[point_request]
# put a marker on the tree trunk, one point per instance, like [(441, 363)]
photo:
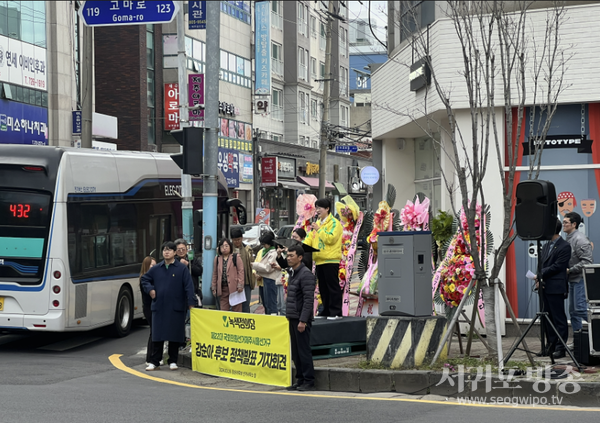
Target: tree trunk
[(490, 319)]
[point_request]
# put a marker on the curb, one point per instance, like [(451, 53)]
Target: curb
[(474, 386)]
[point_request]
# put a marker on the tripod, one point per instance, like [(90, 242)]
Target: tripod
[(544, 319)]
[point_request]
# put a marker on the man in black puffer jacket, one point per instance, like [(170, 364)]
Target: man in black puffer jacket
[(299, 312)]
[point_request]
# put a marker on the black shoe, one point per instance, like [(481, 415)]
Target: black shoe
[(306, 387), (558, 354), (294, 387)]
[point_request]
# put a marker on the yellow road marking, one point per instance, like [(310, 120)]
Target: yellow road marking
[(116, 361)]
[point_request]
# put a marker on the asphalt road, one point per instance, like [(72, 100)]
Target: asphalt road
[(71, 378)]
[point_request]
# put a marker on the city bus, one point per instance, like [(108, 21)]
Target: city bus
[(75, 225)]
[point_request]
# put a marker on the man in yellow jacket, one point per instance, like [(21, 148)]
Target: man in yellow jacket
[(326, 236)]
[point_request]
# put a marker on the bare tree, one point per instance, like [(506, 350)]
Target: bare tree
[(506, 68)]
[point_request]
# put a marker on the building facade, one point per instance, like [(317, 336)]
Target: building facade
[(407, 156)]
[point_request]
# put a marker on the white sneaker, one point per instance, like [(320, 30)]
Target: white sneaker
[(173, 366), (162, 363), (151, 367)]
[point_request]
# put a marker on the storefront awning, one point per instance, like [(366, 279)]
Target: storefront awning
[(340, 188), (314, 182), (292, 185)]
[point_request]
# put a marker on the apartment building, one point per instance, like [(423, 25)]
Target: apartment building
[(290, 128)]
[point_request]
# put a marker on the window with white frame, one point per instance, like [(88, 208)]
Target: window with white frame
[(313, 27), (302, 12), (302, 64), (307, 142), (277, 109), (301, 139), (276, 15), (277, 137), (344, 116), (323, 36), (313, 68), (343, 39), (277, 56), (303, 103), (315, 144), (313, 109), (343, 81)]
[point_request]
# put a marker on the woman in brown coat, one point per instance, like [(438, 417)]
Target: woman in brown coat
[(228, 276)]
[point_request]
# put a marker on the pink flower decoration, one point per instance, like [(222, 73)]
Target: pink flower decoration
[(415, 217)]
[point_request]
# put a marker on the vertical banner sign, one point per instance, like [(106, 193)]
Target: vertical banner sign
[(263, 216), (77, 123), (197, 14), (171, 107), (262, 62), (249, 347), (269, 171), (248, 170), (196, 95), (229, 164)]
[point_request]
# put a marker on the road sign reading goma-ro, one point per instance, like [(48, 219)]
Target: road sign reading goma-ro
[(112, 13)]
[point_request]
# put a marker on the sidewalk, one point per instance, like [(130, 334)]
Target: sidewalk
[(346, 374)]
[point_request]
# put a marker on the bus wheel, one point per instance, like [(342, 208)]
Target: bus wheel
[(123, 314)]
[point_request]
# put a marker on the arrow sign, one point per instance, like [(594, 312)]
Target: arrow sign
[(346, 149), (113, 13)]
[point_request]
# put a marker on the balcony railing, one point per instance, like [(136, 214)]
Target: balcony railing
[(277, 112), (303, 72), (276, 20), (277, 67)]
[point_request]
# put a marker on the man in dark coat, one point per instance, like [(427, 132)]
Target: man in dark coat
[(299, 312), (170, 286), (181, 255), (555, 260)]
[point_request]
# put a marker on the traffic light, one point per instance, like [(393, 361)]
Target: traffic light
[(192, 140)]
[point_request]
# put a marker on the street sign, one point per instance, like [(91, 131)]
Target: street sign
[(113, 13), (346, 149)]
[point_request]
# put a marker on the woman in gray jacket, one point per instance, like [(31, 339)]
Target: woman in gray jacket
[(267, 269)]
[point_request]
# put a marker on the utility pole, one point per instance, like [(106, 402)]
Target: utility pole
[(187, 212), (211, 148), (326, 93), (87, 87), (256, 173)]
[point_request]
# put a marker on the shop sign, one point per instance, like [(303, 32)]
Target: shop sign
[(22, 63), (248, 170), (420, 74), (235, 135), (262, 43), (311, 168), (286, 168), (227, 108), (196, 95), (171, 107), (580, 142), (229, 164), (23, 123), (269, 171)]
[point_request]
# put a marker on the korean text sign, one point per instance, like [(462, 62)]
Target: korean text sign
[(196, 95), (171, 107), (229, 164), (262, 31), (197, 14), (269, 171), (249, 347)]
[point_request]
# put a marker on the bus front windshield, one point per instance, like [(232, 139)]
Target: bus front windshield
[(24, 222)]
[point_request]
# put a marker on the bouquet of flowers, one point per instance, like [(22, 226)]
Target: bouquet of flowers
[(305, 209), (351, 220), (455, 278), (415, 217), (456, 271)]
